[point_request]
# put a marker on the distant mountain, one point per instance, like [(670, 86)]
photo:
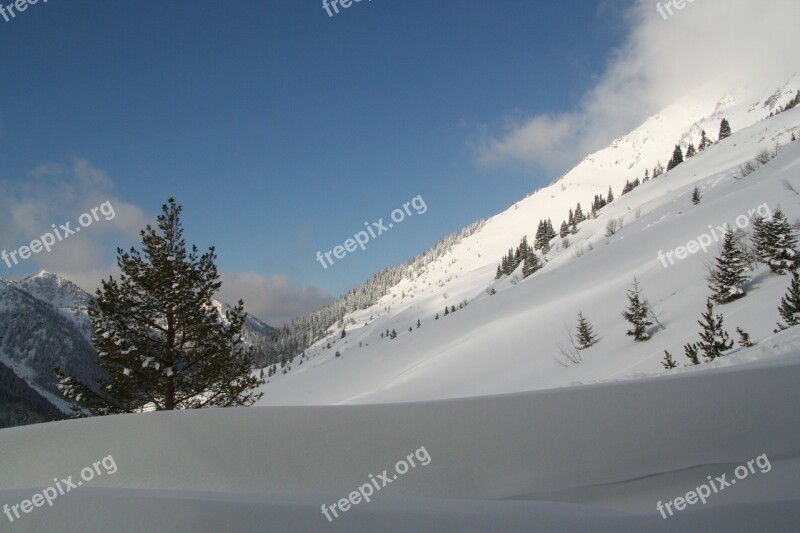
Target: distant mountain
[(44, 323)]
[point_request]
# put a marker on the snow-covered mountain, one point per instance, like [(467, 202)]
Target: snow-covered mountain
[(44, 323), (515, 440), (508, 342)]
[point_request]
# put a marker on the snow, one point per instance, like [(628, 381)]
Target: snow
[(517, 441)]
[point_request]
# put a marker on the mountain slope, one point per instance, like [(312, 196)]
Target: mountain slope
[(509, 342)]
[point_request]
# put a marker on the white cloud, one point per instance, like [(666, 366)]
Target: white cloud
[(706, 42), (55, 194), (274, 299)]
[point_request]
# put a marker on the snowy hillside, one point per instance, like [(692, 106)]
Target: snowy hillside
[(509, 341), (514, 440)]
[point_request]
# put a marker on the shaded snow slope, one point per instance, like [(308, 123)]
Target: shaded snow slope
[(614, 449)]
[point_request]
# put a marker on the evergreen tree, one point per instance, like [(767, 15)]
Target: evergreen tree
[(452, 308), (690, 151), (419, 324), (724, 129), (637, 313), (744, 338), (692, 353), (579, 216), (646, 175), (343, 335), (781, 244), (760, 239), (668, 362), (446, 310), (727, 278), (704, 141), (658, 170), (544, 234), (437, 316), (610, 197), (677, 158), (571, 218), (564, 231), (696, 196), (586, 336), (159, 337), (393, 334), (532, 264), (714, 340), (790, 304)]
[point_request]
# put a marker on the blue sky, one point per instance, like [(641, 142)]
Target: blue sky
[(281, 130)]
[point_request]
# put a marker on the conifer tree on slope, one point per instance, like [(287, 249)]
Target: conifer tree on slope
[(781, 244), (790, 304), (696, 196), (677, 158), (579, 216), (724, 129), (564, 230), (728, 277), (586, 336), (610, 197), (530, 261), (714, 340), (159, 338), (637, 314), (704, 141)]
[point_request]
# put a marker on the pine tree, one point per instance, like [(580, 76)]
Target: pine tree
[(419, 324), (690, 151), (781, 243), (727, 278), (393, 334), (532, 264), (452, 308), (437, 316), (586, 336), (714, 340), (579, 216), (724, 129), (571, 218), (704, 141), (760, 239), (159, 337), (658, 169), (677, 158), (744, 338), (637, 313), (646, 175), (610, 197), (692, 353), (564, 230), (668, 362), (790, 304), (343, 335), (696, 196), (446, 310)]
